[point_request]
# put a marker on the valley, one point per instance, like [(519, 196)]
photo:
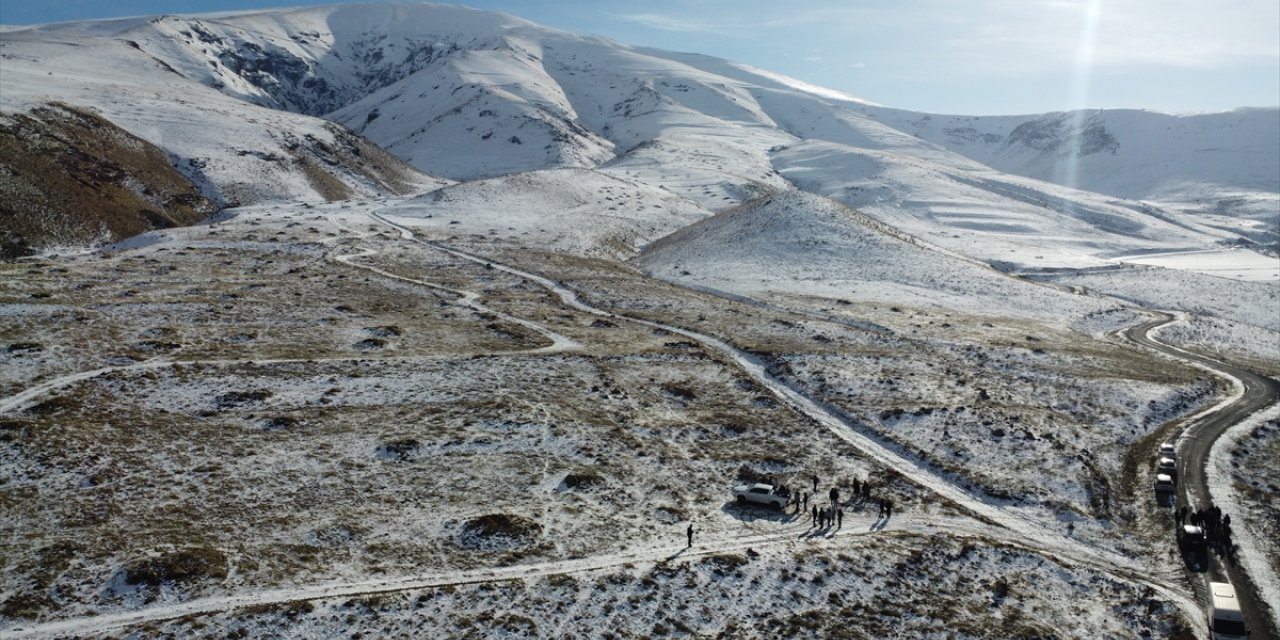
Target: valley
[(485, 319)]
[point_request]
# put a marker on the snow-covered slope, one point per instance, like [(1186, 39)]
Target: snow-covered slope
[(467, 95), (999, 218), (576, 211), (1121, 152), (1215, 163), (799, 243), (236, 151)]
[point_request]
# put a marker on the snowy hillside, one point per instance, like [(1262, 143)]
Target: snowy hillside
[(1223, 164), (236, 152), (465, 94), (803, 244), (575, 211)]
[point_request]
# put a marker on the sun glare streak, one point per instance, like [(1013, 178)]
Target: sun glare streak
[(1078, 99)]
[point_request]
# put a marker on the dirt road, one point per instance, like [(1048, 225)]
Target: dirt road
[(1254, 393)]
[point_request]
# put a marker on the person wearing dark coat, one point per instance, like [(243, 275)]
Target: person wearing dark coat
[(815, 515), (834, 494), (839, 518), (689, 532)]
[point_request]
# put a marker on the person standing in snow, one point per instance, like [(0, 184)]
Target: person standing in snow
[(689, 532), (806, 501), (834, 494), (839, 518), (815, 515), (815, 483)]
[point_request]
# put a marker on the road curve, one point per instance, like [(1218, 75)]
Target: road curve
[(1254, 393)]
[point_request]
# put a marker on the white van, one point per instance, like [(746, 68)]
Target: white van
[(1225, 620)]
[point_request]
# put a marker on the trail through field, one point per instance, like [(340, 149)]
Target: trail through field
[(558, 343), (785, 537), (766, 535)]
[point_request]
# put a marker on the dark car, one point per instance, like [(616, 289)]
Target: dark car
[(1191, 537)]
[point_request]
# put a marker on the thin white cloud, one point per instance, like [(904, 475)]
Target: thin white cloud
[(670, 23), (1025, 36), (998, 36)]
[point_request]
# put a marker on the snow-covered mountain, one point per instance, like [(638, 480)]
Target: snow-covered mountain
[(263, 105), (1217, 163)]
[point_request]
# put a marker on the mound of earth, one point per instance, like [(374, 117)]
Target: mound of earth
[(498, 531)]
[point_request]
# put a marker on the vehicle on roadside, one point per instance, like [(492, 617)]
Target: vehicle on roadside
[(1167, 466), (1191, 538), (1164, 483), (1226, 621), (1167, 450), (759, 493)]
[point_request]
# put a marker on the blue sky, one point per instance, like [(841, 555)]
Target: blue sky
[(978, 57)]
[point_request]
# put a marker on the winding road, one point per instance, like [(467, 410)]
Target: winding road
[(1195, 442)]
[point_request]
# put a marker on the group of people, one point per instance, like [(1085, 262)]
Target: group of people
[(801, 499), (1216, 525), (886, 508), (824, 518)]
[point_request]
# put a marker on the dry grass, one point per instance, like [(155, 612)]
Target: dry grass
[(68, 176)]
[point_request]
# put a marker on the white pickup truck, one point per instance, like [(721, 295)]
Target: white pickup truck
[(759, 493)]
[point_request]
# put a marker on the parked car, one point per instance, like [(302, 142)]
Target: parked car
[(1167, 450), (1167, 466), (1164, 483), (1191, 538), (759, 493), (1226, 622)]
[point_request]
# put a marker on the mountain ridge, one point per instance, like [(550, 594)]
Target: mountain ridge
[(466, 94)]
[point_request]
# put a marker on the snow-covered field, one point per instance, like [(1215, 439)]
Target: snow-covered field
[(353, 404), (1236, 264)]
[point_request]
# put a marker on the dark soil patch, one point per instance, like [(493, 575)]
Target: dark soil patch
[(183, 567), (582, 480), (233, 399), (400, 450), (369, 344), (498, 531)]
